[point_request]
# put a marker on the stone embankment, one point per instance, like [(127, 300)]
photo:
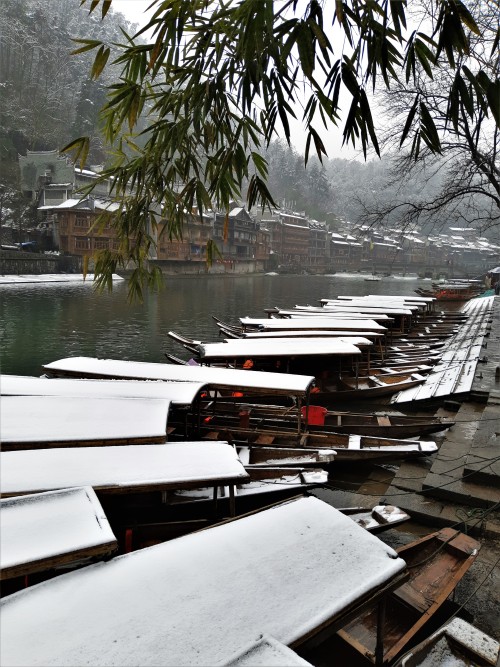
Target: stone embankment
[(14, 262)]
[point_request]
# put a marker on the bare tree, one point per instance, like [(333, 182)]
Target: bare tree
[(465, 170)]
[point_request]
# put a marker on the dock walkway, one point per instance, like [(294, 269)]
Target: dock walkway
[(455, 372), (463, 479)]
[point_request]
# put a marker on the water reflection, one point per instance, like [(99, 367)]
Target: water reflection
[(40, 323)]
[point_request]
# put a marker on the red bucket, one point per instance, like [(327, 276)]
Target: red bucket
[(314, 415)]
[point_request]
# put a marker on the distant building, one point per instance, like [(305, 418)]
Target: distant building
[(73, 230), (192, 245)]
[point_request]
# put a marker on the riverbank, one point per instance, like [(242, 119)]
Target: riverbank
[(51, 278)]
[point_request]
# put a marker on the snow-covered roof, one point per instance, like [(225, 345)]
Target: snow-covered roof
[(178, 393), (83, 204), (312, 323), (236, 211), (347, 312), (255, 381), (308, 333), (67, 204), (86, 172), (281, 347), (368, 307), (266, 652), (53, 419), (197, 600), (177, 465), (62, 526), (289, 224)]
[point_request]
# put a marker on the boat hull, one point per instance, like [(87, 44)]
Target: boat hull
[(436, 564)]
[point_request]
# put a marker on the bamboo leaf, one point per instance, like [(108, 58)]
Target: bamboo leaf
[(85, 266), (106, 5), (80, 147), (409, 121), (100, 61), (305, 48), (89, 44)]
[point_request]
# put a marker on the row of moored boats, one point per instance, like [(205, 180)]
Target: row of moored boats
[(103, 457)]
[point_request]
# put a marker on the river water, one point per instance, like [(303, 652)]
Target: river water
[(42, 322)]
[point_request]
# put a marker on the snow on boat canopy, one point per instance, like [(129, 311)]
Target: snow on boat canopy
[(311, 311), (201, 598), (359, 310), (221, 378), (424, 303), (395, 298), (178, 393), (44, 421), (47, 530), (310, 333), (266, 652), (280, 347), (311, 323), (121, 469)]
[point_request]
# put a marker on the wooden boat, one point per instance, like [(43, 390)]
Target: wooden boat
[(175, 360), (373, 424), (348, 448), (277, 456), (145, 607), (390, 426), (348, 388), (262, 481), (458, 643), (73, 524), (188, 343), (30, 422), (451, 291), (436, 564), (321, 356), (376, 519)]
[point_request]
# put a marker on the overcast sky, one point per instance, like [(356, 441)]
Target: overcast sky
[(136, 12)]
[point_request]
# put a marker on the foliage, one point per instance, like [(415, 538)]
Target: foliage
[(220, 79)]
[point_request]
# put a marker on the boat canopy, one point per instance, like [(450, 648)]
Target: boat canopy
[(177, 465), (45, 530), (289, 571), (311, 311), (311, 333), (178, 393), (367, 308), (52, 419), (234, 348), (312, 323), (219, 378)]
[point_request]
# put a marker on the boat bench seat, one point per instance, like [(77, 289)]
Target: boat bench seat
[(412, 597)]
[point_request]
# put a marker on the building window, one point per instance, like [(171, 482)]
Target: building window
[(82, 222), (100, 244), (82, 244)]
